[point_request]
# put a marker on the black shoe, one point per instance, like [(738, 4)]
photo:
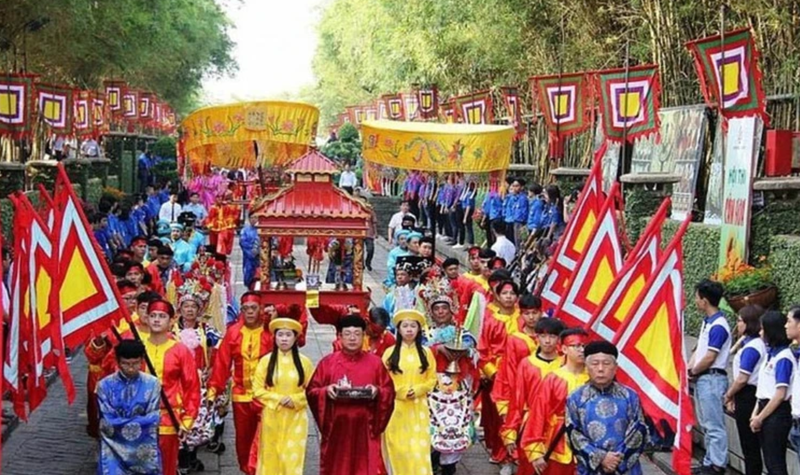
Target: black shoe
[(216, 447), (198, 466)]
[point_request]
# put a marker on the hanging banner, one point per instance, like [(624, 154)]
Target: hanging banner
[(410, 106), (474, 108), (383, 112), (428, 100), (55, 108), (16, 103), (370, 112), (438, 147), (356, 114), (99, 125), (146, 112), (729, 70), (447, 112), (629, 108), (513, 109), (394, 106), (82, 112), (566, 102), (114, 92), (741, 153), (130, 105)]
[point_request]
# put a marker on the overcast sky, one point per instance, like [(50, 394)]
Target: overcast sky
[(275, 43)]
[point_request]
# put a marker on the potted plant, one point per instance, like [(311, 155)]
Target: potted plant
[(747, 285)]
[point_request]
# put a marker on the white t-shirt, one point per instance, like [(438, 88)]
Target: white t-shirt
[(397, 220), (347, 179), (504, 248)]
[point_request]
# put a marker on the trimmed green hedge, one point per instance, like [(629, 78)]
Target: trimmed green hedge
[(113, 181), (779, 217), (640, 205), (700, 260), (128, 173), (784, 257)]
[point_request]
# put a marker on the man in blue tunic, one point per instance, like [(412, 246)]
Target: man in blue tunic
[(129, 403), (184, 254), (604, 419), (251, 249)]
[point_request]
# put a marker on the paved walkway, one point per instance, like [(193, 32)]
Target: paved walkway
[(54, 440)]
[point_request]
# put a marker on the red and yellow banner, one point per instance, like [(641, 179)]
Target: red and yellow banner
[(629, 102), (474, 108), (730, 77), (55, 108), (16, 104)]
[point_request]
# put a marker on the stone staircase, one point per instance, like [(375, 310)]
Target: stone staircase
[(385, 207)]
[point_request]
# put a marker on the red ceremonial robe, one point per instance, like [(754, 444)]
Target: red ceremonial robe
[(525, 382), (491, 350), (519, 346), (350, 430), (546, 417)]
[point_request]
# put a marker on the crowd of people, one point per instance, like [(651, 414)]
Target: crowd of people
[(447, 359)]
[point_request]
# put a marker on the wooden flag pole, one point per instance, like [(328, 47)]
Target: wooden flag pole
[(621, 167), (721, 98)]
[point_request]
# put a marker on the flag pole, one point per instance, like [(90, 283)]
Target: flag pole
[(721, 98), (558, 95), (621, 168)]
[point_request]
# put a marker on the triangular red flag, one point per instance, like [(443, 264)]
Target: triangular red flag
[(596, 268), (575, 237), (36, 315), (89, 301), (651, 359), (628, 285), (17, 360)]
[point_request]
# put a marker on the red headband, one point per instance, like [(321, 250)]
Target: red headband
[(160, 306), (137, 241), (251, 299), (474, 251), (572, 340), (126, 289)]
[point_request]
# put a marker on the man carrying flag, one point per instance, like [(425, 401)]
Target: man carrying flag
[(543, 437), (176, 371)]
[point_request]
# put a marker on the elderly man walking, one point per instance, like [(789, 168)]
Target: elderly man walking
[(604, 418)]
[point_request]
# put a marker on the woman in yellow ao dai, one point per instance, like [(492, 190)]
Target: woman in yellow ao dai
[(279, 385), (407, 439)]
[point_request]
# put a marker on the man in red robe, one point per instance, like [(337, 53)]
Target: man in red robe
[(501, 319), (519, 345), (176, 371), (244, 344), (544, 440), (350, 428), (525, 382), (222, 220)]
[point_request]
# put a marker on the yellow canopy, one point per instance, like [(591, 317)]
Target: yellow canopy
[(227, 136), (437, 147)]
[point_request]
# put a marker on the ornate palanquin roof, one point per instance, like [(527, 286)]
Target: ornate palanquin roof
[(312, 206), (313, 162)]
